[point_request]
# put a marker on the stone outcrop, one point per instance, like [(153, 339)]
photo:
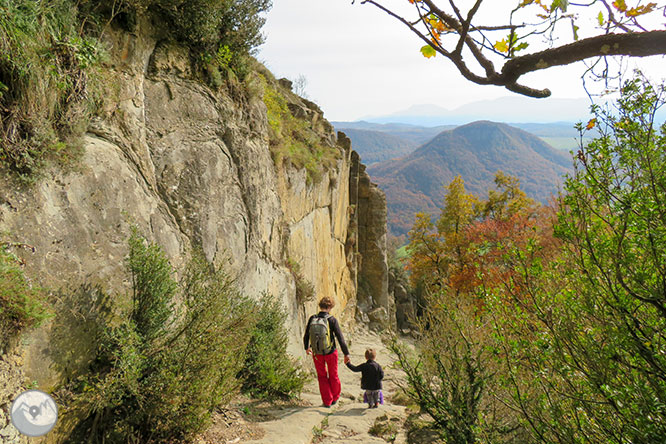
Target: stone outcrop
[(190, 166), (405, 304), (11, 377), (368, 202)]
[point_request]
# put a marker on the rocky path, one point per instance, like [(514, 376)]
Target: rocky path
[(350, 421)]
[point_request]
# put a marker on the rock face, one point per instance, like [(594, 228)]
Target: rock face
[(405, 303), (11, 377), (189, 167), (369, 203)]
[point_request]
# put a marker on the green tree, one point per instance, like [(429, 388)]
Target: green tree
[(584, 344), (507, 200), (438, 251)]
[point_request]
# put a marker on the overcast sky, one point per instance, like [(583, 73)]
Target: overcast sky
[(359, 62)]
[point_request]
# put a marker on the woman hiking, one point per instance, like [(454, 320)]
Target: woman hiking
[(319, 341)]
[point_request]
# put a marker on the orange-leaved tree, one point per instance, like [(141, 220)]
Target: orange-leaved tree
[(438, 252), (459, 261)]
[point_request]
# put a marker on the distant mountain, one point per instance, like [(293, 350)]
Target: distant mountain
[(556, 129), (417, 134), (504, 109), (376, 146), (562, 136), (475, 151)]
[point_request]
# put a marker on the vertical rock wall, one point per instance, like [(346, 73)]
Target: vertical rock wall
[(189, 166), (374, 306)]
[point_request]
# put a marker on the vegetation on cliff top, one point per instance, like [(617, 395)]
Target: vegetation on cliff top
[(51, 73), (45, 94), (50, 80), (293, 138)]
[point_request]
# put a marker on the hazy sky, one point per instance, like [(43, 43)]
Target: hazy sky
[(360, 62)]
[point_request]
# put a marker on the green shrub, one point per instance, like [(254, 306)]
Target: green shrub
[(153, 288), (268, 371), (21, 304), (448, 379), (305, 291), (293, 140), (172, 358)]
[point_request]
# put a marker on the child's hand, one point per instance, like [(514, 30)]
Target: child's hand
[(308, 351), (347, 359)]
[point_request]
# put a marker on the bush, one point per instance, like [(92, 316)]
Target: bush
[(172, 358), (448, 380), (268, 371), (21, 304), (292, 139), (153, 288)]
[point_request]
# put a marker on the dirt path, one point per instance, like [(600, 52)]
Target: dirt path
[(350, 420)]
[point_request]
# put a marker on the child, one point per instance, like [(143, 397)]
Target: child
[(371, 379)]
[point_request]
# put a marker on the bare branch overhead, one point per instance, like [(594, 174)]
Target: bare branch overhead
[(452, 32)]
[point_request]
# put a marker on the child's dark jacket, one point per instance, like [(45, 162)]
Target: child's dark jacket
[(371, 374)]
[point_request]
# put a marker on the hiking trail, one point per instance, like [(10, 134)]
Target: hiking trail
[(349, 421)]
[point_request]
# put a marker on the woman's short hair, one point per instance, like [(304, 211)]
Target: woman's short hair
[(370, 354), (326, 303)]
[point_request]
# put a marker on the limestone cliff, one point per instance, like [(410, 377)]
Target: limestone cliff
[(369, 205), (189, 166)]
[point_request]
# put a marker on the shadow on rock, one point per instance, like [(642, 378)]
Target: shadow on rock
[(80, 317)]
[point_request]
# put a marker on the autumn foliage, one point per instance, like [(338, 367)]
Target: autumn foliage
[(467, 246), (545, 323)]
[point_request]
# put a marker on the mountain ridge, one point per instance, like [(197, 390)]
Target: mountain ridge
[(508, 108), (415, 182)]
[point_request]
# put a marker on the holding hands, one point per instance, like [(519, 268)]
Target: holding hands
[(347, 359)]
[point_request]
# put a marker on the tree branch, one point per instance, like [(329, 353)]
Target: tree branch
[(638, 44), (634, 44)]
